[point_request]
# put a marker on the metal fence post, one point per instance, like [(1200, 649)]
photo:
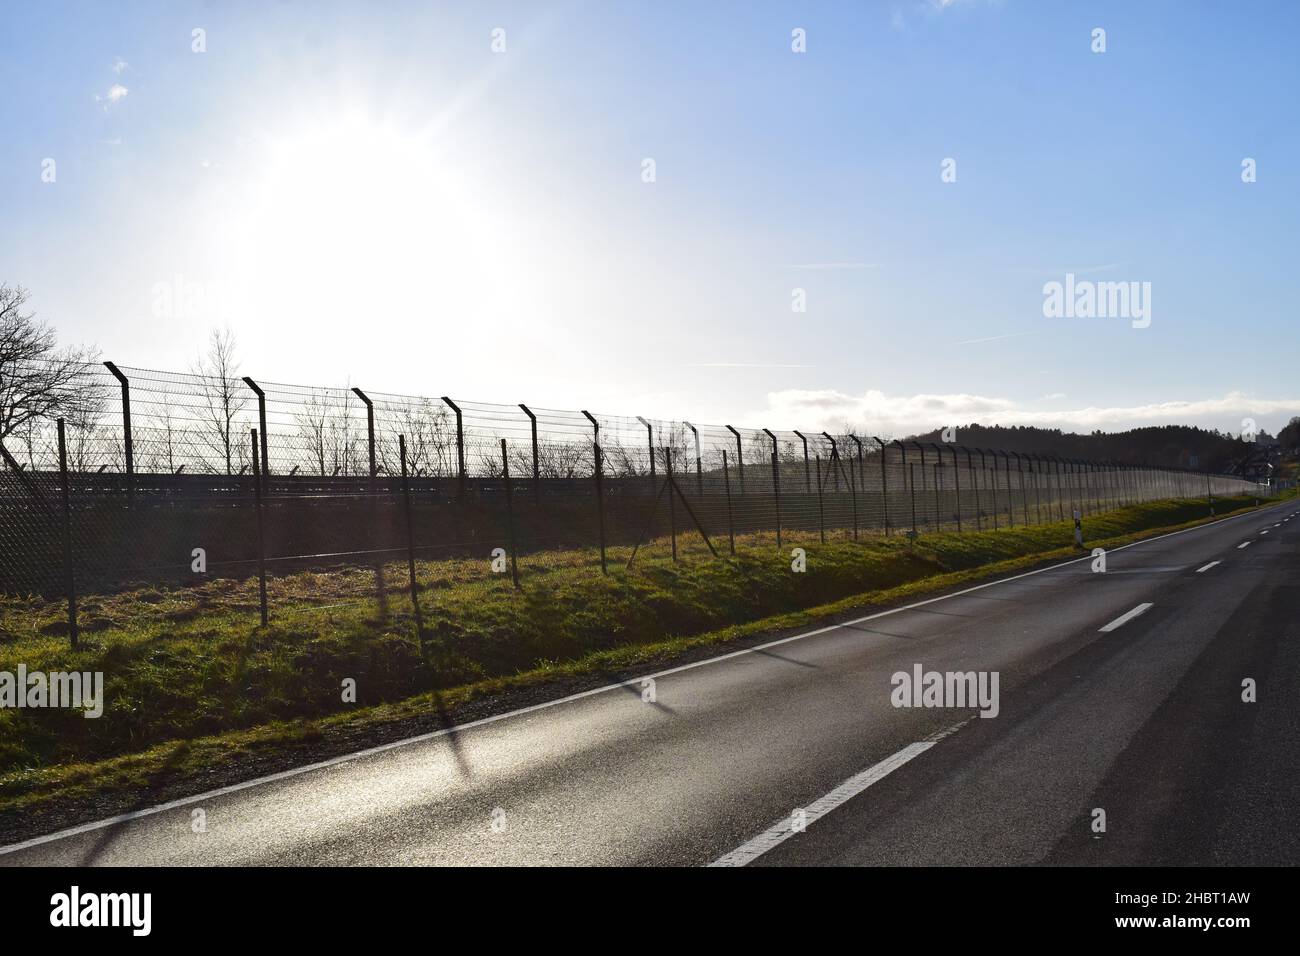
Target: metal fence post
[(410, 541), (911, 483), (699, 465), (862, 464), (853, 485), (821, 511), (740, 459), (1024, 496), (807, 468), (261, 532), (672, 507), (69, 573), (956, 484), (460, 443), (992, 485), (261, 421), (128, 445), (1011, 498), (370, 433), (650, 442), (938, 508), (884, 486), (1060, 504), (600, 504), (921, 449), (510, 512), (381, 590), (975, 480), (909, 476), (833, 461), (726, 481), (537, 460), (776, 483), (1038, 498)]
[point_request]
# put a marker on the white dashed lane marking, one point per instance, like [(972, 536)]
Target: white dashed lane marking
[(785, 828), (1125, 618)]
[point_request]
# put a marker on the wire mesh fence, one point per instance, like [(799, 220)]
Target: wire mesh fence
[(159, 477)]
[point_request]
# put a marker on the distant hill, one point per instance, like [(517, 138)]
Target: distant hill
[(1176, 446)]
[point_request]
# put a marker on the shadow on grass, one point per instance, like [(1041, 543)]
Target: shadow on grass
[(148, 797)]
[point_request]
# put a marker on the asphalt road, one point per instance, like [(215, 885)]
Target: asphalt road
[(1145, 721)]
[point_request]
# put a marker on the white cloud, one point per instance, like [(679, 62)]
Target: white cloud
[(119, 65), (876, 413), (928, 9), (116, 93)]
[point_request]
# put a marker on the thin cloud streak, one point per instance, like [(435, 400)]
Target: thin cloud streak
[(995, 338), (1058, 270), (743, 365), (835, 265)]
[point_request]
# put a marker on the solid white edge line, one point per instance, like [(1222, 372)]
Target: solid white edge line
[(1125, 618), (783, 829), (1207, 567), (421, 738)]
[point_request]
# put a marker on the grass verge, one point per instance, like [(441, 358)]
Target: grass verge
[(200, 696)]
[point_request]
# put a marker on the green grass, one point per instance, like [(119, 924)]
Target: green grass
[(192, 682)]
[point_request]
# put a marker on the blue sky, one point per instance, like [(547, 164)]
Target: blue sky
[(368, 193)]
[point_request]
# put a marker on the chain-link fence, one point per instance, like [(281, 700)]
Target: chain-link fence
[(163, 477)]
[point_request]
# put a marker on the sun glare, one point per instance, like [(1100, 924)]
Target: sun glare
[(354, 219)]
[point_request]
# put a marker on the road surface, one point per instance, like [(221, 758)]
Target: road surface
[(1119, 691)]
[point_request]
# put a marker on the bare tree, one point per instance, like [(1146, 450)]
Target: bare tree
[(314, 426), (223, 395), (564, 459), (430, 438), (86, 427), (168, 435), (39, 381), (342, 443)]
